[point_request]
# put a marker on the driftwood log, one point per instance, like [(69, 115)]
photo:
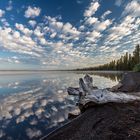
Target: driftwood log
[(91, 96)]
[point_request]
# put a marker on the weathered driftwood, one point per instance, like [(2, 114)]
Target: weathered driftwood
[(73, 91), (84, 86), (88, 94)]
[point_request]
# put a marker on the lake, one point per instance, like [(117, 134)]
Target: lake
[(33, 104)]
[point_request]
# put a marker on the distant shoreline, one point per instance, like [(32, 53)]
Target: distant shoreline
[(68, 70)]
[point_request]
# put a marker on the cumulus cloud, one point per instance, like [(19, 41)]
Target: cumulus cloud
[(23, 29), (14, 41), (132, 8), (91, 20), (103, 25), (10, 6), (2, 12), (55, 43), (10, 60), (79, 1), (54, 24), (121, 30), (5, 22), (53, 35), (118, 2), (106, 14), (38, 32), (65, 31), (32, 23), (91, 9), (93, 36), (69, 29), (32, 12)]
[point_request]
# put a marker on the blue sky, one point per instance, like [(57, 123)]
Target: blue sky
[(66, 34)]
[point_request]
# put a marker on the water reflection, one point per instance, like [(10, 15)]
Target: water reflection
[(112, 75), (34, 104)]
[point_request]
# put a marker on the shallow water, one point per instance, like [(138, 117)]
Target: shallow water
[(33, 104)]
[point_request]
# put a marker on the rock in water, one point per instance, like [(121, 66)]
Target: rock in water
[(129, 83)]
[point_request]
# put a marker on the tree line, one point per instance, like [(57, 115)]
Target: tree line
[(126, 62)]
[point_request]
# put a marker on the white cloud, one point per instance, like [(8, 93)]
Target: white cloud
[(10, 6), (63, 31), (92, 37), (2, 12), (38, 32), (59, 45), (100, 26), (91, 20), (69, 29), (54, 24), (97, 24), (24, 30), (132, 8), (106, 14), (32, 23), (43, 41), (15, 42), (4, 22), (9, 60), (104, 48), (95, 34), (16, 34), (53, 35), (79, 1), (118, 2), (32, 12), (55, 43), (123, 29), (91, 9), (82, 27)]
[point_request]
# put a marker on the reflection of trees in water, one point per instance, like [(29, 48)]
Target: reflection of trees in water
[(112, 76)]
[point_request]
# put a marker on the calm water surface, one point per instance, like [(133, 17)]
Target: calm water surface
[(33, 104)]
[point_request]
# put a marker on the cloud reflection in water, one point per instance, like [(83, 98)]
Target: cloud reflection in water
[(40, 104)]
